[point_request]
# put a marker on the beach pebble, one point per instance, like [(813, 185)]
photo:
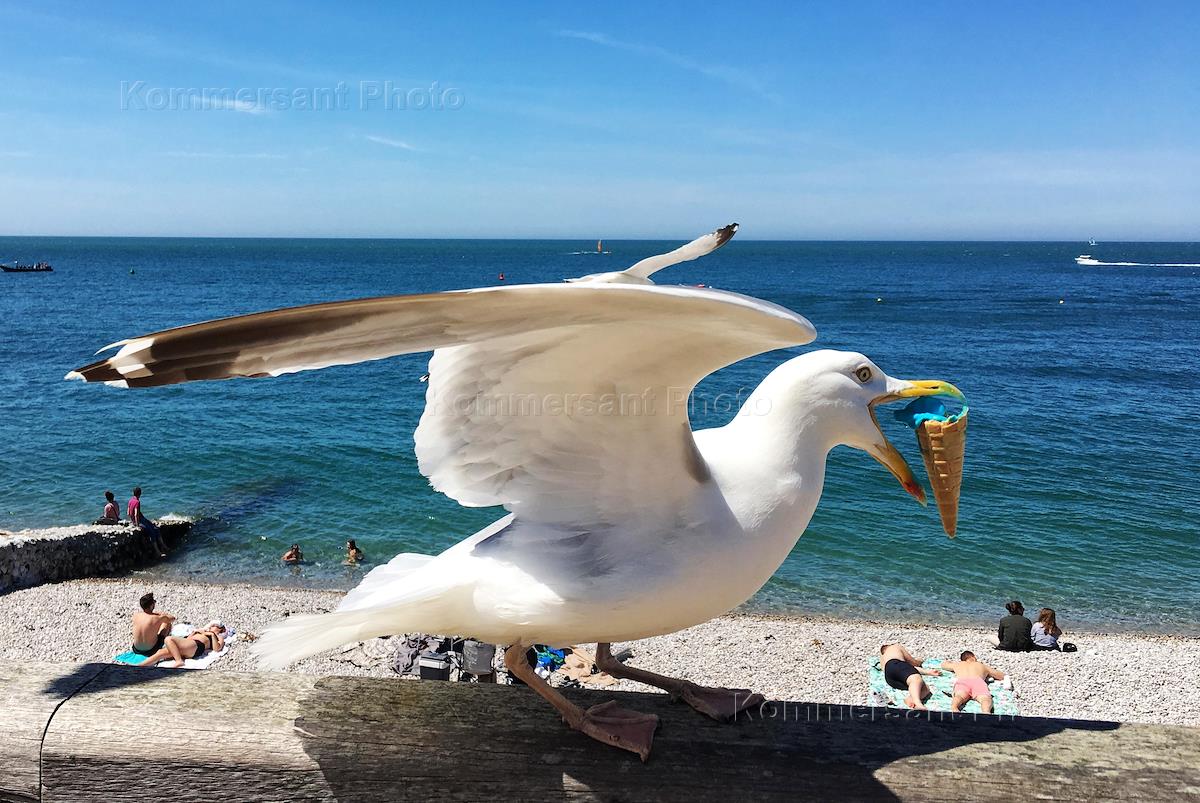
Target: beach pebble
[(1112, 677)]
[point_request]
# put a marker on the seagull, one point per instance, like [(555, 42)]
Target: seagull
[(567, 404)]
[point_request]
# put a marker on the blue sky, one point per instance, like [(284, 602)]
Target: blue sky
[(800, 120)]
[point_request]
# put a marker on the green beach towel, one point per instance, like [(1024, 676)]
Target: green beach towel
[(880, 693)]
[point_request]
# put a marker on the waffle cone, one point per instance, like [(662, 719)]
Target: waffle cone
[(943, 444)]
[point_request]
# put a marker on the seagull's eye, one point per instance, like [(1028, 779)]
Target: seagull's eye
[(863, 374)]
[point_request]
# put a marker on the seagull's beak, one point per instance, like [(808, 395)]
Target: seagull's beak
[(883, 451)]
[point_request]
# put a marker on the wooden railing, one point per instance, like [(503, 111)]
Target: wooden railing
[(79, 732)]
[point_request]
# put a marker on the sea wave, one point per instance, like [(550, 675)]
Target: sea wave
[(1086, 261)]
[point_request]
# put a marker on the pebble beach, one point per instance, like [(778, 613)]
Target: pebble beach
[(1122, 677)]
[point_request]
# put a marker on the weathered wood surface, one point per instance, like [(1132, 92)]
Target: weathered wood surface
[(134, 734), (28, 699)]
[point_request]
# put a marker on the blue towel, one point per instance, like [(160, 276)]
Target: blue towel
[(130, 657)]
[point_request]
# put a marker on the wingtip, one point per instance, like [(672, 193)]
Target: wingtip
[(725, 234)]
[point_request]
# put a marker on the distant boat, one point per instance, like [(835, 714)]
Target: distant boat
[(599, 246), (1086, 259), (16, 267), (1092, 241)]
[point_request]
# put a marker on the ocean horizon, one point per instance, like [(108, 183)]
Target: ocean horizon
[(1079, 492)]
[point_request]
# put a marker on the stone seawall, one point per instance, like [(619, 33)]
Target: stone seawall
[(32, 557)]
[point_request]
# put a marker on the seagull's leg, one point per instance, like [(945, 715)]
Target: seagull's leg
[(719, 703), (606, 722)]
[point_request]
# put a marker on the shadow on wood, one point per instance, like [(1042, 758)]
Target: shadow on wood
[(287, 736)]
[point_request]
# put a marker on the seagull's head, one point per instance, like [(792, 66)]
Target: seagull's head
[(843, 389)]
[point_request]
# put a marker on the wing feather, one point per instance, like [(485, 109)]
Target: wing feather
[(562, 402)]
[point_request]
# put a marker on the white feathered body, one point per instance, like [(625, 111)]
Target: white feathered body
[(757, 484)]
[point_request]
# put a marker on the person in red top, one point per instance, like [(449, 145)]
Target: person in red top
[(134, 509)]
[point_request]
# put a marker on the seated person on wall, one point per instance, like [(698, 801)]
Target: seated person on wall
[(134, 509), (112, 513), (198, 642), (150, 628)]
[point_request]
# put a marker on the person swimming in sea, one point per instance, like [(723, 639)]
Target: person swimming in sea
[(293, 555), (354, 555)]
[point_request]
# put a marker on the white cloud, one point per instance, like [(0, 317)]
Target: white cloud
[(223, 155), (733, 76), (391, 143)]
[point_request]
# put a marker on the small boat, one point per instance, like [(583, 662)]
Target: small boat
[(1086, 259), (16, 267), (1092, 241)]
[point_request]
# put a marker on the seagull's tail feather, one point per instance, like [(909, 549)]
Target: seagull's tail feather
[(299, 637), (393, 598)]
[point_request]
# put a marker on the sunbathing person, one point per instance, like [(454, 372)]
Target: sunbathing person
[(903, 672), (150, 628), (193, 646), (970, 681)]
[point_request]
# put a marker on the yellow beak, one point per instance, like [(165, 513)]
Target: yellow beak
[(929, 387), (884, 452)]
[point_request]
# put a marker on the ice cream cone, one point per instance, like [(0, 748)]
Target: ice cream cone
[(943, 444)]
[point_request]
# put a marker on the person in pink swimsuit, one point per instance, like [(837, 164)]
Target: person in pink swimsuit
[(970, 681)]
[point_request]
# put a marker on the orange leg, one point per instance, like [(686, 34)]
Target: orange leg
[(719, 703), (606, 722)]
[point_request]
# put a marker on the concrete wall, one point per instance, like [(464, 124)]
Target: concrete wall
[(32, 557)]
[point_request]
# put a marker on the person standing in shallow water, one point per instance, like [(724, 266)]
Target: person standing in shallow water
[(134, 509), (353, 554), (1014, 632), (293, 555)]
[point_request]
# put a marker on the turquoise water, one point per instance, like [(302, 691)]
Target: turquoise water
[(1081, 487)]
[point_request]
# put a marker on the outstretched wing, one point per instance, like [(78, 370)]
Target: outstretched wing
[(639, 272), (701, 246), (559, 401)]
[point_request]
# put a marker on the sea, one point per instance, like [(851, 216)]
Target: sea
[(1081, 488)]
